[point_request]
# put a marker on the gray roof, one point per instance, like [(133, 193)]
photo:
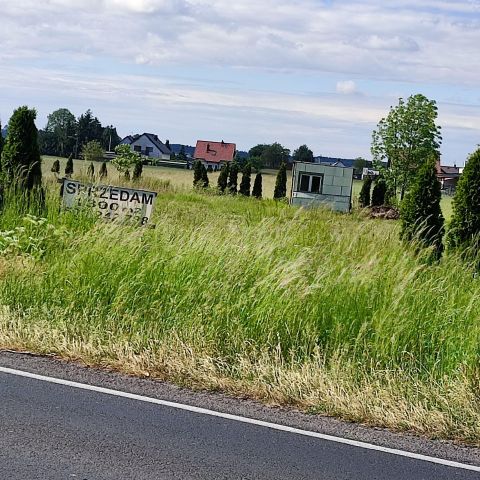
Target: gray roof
[(129, 139)]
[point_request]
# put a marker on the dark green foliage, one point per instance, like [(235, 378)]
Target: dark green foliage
[(2, 141), (233, 178), (274, 155), (21, 162), (91, 170), (197, 173), (103, 170), (209, 169), (379, 191), (420, 213), (281, 183), (205, 182), (303, 154), (364, 196), (56, 166), (464, 228), (69, 166), (246, 180), (257, 186), (127, 175), (182, 155), (137, 170), (222, 181)]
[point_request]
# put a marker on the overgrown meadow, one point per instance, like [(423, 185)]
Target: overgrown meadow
[(330, 313)]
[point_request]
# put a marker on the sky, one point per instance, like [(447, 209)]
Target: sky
[(321, 73)]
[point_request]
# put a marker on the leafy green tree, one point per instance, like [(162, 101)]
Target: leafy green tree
[(257, 186), (303, 154), (274, 155), (21, 162), (93, 151), (69, 166), (222, 181), (103, 170), (110, 138), (364, 196), (257, 150), (405, 139), (233, 178), (91, 170), (88, 128), (61, 131), (420, 212), (197, 173), (379, 191), (246, 180), (125, 159), (464, 228), (137, 170), (280, 190), (56, 166)]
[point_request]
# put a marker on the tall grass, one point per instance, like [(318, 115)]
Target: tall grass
[(325, 311)]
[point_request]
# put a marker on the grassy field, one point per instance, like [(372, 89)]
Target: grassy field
[(327, 312)]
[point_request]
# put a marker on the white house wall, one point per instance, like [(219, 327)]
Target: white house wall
[(336, 192), (144, 142)]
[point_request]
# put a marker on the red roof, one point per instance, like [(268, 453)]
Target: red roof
[(215, 152)]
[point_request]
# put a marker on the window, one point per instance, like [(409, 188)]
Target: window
[(137, 148), (310, 183), (148, 151)]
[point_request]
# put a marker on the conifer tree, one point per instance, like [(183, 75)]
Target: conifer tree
[(69, 166), (246, 180), (379, 191), (197, 173), (2, 141), (420, 213), (91, 170), (464, 228), (137, 170), (364, 196), (233, 178), (103, 170), (257, 186), (21, 161), (281, 183), (56, 166), (205, 181), (223, 177)]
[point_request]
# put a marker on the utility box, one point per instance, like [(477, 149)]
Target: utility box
[(315, 185)]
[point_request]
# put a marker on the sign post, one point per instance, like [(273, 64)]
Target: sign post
[(108, 201)]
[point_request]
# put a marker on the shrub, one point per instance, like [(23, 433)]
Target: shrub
[(103, 170), (281, 183), (257, 186), (197, 173), (364, 196), (204, 181), (223, 178), (246, 180), (137, 170), (379, 191), (233, 178), (69, 166), (210, 169), (464, 228), (91, 170), (56, 166), (420, 213)]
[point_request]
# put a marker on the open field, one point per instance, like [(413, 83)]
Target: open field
[(327, 312)]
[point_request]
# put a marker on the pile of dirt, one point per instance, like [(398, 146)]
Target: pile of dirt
[(385, 212)]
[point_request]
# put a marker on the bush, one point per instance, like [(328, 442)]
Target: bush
[(281, 183), (69, 166), (379, 191), (364, 196), (464, 228), (233, 178), (257, 186), (246, 180), (137, 170), (420, 213), (223, 178), (197, 173), (91, 170), (204, 181), (56, 166), (103, 170)]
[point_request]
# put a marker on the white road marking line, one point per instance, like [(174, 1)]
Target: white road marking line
[(238, 418)]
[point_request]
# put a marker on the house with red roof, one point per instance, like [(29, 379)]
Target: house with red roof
[(214, 154)]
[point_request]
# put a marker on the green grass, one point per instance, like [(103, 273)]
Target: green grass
[(327, 312)]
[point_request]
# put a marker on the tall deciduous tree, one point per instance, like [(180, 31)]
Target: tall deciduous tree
[(280, 190), (60, 131), (464, 228), (274, 155), (257, 186), (246, 180), (303, 154), (21, 162), (420, 212), (405, 139)]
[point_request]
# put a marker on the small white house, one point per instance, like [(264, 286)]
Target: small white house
[(148, 145), (316, 185)]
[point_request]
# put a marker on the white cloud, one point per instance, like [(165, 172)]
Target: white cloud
[(346, 87)]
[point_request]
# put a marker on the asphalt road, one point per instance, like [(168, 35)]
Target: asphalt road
[(53, 431)]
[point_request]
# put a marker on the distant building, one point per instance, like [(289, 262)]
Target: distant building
[(214, 154), (148, 145), (448, 176)]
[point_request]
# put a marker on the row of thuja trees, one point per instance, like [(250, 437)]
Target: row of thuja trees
[(228, 180)]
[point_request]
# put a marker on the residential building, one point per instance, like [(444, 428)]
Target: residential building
[(214, 154), (148, 145), (448, 176)]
